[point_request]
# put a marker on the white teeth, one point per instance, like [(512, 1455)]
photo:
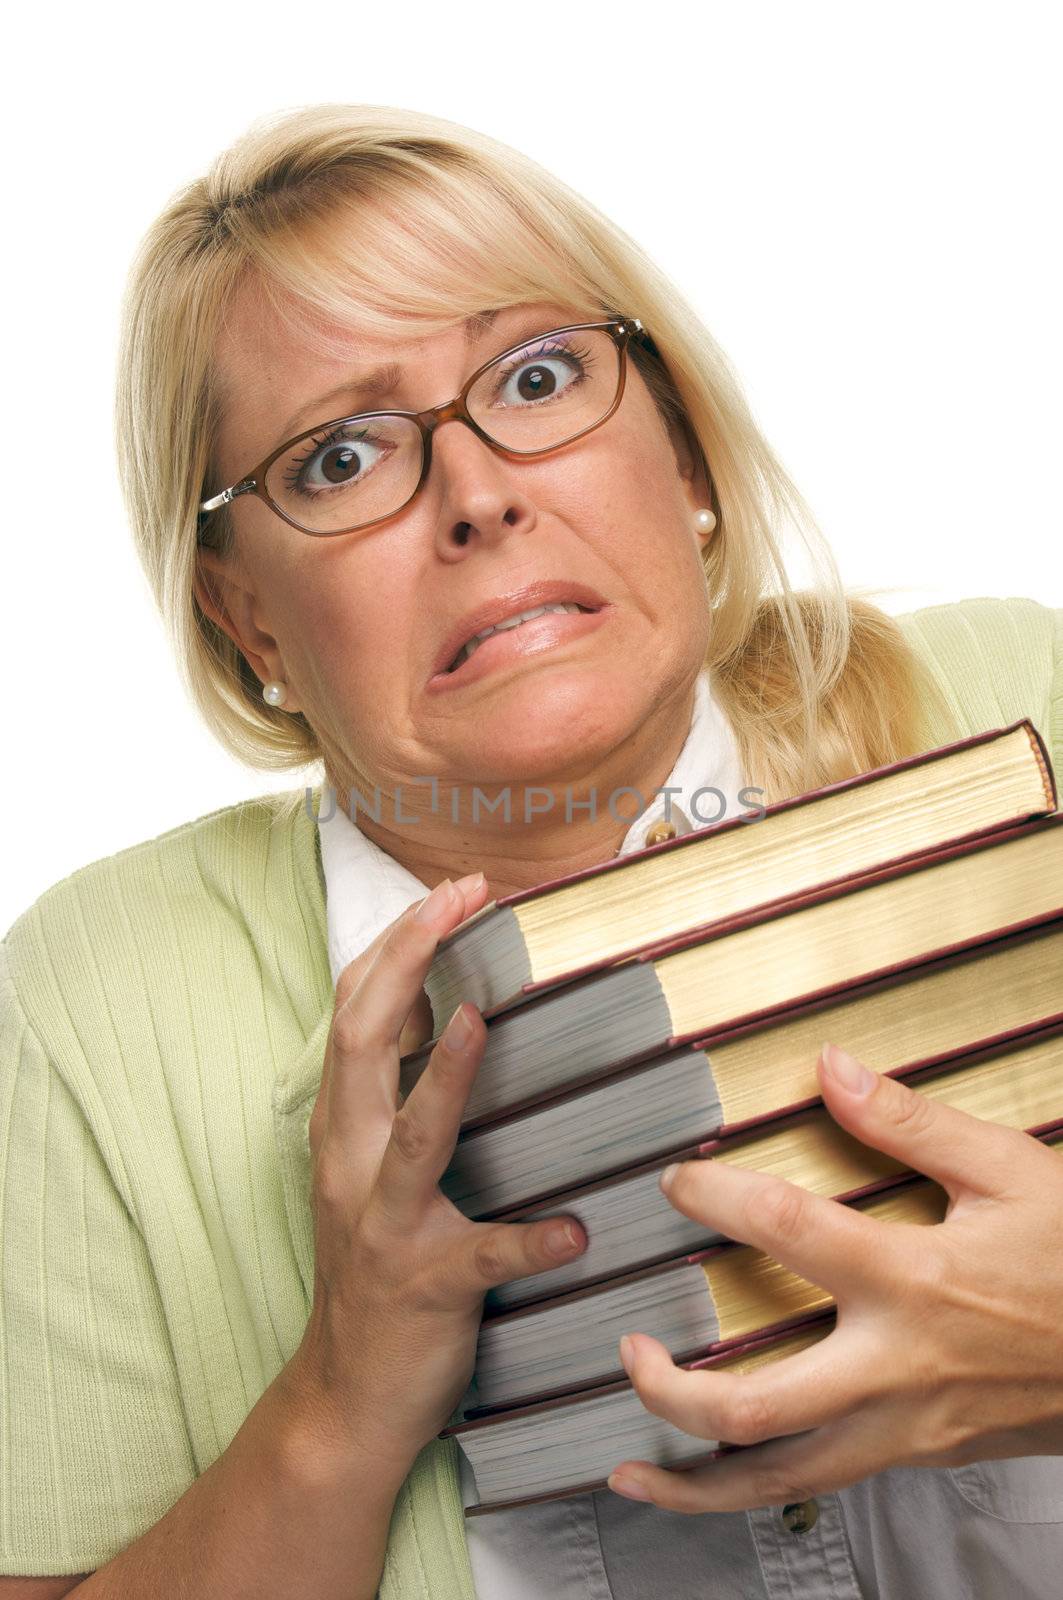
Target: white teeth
[(508, 622)]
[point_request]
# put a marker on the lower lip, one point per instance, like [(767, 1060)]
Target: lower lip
[(527, 639)]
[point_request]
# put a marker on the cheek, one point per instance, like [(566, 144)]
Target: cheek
[(345, 617), (636, 472), (644, 520)]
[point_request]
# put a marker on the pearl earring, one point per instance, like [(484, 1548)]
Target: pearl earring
[(274, 693), (704, 520)]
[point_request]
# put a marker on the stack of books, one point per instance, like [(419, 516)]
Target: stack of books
[(671, 1005)]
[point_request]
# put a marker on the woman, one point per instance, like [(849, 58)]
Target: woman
[(237, 1310)]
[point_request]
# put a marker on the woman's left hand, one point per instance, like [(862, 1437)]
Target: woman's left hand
[(948, 1346)]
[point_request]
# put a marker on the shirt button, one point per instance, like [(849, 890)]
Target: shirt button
[(800, 1516), (668, 827)]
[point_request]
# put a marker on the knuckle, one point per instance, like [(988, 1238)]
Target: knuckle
[(776, 1208), (410, 1138), (943, 1433), (403, 937), (774, 1486), (489, 1258), (910, 1110), (930, 1277), (448, 1069), (749, 1418), (331, 1183), (651, 1392), (376, 1236), (350, 1036)]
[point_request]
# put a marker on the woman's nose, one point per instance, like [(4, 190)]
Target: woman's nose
[(478, 493)]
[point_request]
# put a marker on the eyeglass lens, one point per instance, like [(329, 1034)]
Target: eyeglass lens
[(535, 399)]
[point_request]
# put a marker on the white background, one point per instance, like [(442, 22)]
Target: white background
[(862, 202)]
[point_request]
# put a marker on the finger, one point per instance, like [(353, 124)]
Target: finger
[(418, 1027), (388, 986), (499, 1252), (830, 1244), (826, 1381), (425, 1128), (961, 1152), (362, 1081), (789, 1471)]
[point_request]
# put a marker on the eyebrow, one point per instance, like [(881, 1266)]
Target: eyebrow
[(381, 381)]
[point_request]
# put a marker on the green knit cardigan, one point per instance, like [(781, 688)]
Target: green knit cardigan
[(162, 1029)]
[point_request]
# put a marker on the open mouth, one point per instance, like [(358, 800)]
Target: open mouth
[(470, 647)]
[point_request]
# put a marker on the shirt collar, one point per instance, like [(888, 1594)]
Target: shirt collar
[(366, 888)]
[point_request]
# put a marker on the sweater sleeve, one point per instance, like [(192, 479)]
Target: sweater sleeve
[(93, 1445)]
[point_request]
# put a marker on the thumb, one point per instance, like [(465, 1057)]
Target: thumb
[(961, 1152)]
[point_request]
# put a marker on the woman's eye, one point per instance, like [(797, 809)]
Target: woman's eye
[(336, 462), (529, 378)]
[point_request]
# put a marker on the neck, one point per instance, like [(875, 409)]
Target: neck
[(554, 827)]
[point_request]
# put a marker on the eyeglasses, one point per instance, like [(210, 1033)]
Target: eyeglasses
[(357, 471)]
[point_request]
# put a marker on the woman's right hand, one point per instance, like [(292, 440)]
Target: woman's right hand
[(400, 1273)]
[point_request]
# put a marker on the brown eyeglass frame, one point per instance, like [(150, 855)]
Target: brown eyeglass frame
[(621, 329)]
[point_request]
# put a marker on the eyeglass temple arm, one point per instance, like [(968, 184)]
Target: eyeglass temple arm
[(246, 487)]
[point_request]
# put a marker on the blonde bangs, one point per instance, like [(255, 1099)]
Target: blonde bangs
[(427, 248)]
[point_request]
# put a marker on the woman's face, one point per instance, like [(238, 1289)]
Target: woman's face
[(355, 624)]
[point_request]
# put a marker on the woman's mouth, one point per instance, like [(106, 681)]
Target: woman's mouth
[(542, 628)]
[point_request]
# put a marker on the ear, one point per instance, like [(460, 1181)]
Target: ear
[(691, 466), (225, 596)]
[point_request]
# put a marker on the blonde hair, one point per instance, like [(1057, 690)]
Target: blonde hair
[(445, 222)]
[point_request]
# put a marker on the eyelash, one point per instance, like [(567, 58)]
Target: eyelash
[(526, 355)]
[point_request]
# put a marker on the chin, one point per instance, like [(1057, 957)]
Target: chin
[(551, 725)]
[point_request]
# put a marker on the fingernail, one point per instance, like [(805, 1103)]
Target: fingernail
[(627, 1354), (472, 884), (667, 1175), (846, 1070), (629, 1487), (458, 1030), (435, 902), (562, 1239)]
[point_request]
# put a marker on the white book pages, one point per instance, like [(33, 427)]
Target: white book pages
[(577, 1343), (629, 1223), (615, 1125), (572, 1444), (545, 1047)]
